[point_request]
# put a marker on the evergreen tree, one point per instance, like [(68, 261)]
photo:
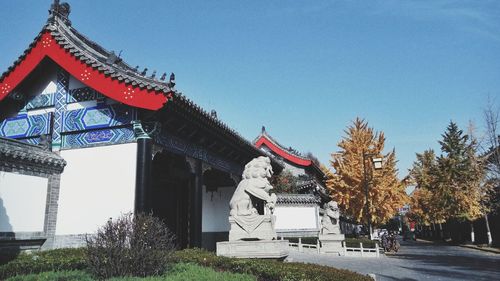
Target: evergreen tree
[(457, 187), (346, 183), (492, 164)]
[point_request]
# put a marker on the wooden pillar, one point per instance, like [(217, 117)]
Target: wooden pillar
[(143, 174), (196, 206)]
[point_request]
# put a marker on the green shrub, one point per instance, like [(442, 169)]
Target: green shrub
[(132, 245), (54, 276), (354, 242), (54, 260), (268, 269), (305, 240)]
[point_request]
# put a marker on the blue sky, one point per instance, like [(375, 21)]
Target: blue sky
[(304, 69)]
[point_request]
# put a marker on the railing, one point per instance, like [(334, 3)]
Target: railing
[(361, 251), (300, 246), (348, 251)]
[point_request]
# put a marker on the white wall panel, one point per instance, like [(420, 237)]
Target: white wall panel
[(22, 202), (215, 212), (288, 218), (97, 184)]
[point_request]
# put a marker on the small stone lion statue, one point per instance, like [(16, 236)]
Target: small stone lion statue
[(255, 182), (330, 220)]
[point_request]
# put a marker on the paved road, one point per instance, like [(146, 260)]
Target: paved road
[(417, 261)]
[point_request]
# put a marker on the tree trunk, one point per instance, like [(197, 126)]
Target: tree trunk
[(472, 232), (488, 232), (440, 230)]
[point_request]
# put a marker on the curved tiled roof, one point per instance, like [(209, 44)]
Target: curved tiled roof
[(73, 50), (275, 142), (15, 154), (308, 184), (80, 56), (105, 61), (265, 139), (180, 102), (289, 154), (297, 199)]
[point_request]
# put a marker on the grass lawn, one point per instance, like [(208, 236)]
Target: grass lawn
[(179, 272)]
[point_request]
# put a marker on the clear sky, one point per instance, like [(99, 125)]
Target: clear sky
[(304, 69)]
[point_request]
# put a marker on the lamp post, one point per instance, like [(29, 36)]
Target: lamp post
[(377, 164)]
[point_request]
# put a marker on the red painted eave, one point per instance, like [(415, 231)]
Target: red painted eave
[(281, 152), (46, 46)]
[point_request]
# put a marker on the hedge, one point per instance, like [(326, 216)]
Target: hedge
[(264, 270), (268, 270), (54, 276), (53, 260), (180, 272), (367, 243)]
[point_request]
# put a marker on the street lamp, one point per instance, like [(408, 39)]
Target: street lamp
[(377, 164)]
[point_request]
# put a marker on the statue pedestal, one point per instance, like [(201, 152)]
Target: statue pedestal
[(331, 243), (260, 227), (271, 249)]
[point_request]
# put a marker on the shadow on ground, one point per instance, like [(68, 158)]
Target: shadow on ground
[(441, 260)]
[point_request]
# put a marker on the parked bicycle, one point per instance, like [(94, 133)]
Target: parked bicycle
[(390, 243)]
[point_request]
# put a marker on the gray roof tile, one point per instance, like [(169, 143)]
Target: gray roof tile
[(297, 199), (20, 155)]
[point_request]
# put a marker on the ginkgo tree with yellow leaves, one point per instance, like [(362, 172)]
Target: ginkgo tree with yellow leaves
[(346, 182), (424, 206)]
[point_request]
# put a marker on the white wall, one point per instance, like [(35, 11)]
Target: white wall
[(22, 202), (288, 218), (97, 184), (215, 211)]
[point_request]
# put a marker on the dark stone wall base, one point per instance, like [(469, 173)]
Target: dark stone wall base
[(209, 239)]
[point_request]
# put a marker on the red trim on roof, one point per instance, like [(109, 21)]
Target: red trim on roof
[(281, 152), (46, 46)]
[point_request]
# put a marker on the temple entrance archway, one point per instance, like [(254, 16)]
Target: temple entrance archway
[(193, 202), (170, 196)]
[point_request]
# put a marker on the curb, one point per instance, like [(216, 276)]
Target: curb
[(424, 241), (489, 250), (474, 247)]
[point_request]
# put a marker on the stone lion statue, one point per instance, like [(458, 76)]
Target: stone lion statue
[(330, 220), (255, 183)]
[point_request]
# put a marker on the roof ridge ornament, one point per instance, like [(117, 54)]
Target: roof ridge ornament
[(112, 58), (61, 11), (171, 82)]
